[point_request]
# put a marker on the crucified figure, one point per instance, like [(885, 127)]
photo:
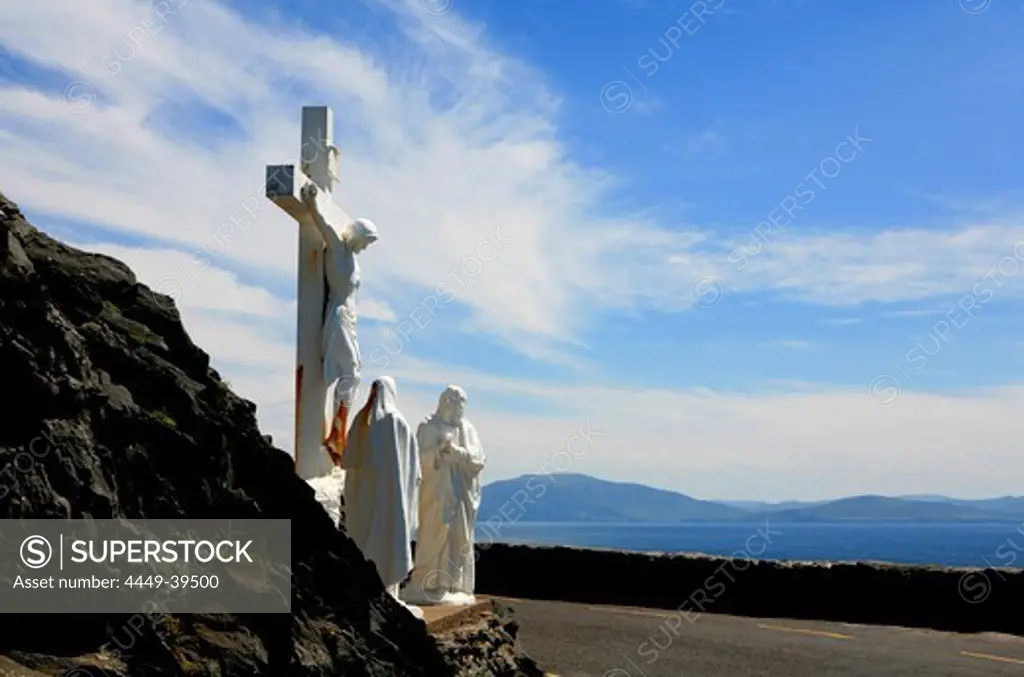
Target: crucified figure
[(339, 350)]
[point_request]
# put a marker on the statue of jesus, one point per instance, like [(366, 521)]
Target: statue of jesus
[(342, 362)]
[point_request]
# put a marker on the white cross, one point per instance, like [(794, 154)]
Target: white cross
[(319, 165)]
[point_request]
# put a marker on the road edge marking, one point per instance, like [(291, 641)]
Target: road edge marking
[(632, 612), (992, 657), (802, 631)]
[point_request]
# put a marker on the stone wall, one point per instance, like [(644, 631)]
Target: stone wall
[(964, 600)]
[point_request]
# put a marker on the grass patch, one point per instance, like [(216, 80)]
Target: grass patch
[(165, 418)]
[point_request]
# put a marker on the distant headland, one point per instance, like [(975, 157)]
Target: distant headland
[(582, 498)]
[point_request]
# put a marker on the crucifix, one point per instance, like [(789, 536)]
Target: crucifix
[(328, 363)]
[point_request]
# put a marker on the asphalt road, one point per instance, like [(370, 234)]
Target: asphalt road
[(577, 640)]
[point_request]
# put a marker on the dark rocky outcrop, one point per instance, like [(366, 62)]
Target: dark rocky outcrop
[(112, 411), (941, 598), (487, 646)]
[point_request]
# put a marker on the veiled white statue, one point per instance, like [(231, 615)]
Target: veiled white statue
[(382, 477), (452, 459), (342, 362)]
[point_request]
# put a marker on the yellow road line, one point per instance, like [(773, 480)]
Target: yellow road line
[(816, 633), (990, 657), (608, 609), (632, 612)]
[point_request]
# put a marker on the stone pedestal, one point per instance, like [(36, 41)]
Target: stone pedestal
[(414, 595)]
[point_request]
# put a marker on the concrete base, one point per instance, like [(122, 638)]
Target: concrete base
[(413, 595)]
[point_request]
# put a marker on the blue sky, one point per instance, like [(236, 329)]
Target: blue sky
[(632, 155)]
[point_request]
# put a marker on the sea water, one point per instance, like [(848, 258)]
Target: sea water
[(949, 544)]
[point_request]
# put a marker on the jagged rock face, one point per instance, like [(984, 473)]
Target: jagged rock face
[(488, 647), (124, 417)]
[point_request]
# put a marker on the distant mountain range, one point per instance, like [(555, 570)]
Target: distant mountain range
[(581, 498)]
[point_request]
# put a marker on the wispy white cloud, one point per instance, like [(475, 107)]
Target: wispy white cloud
[(714, 140), (719, 444), (488, 158), (847, 269), (915, 312), (194, 282), (793, 344), (372, 309)]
